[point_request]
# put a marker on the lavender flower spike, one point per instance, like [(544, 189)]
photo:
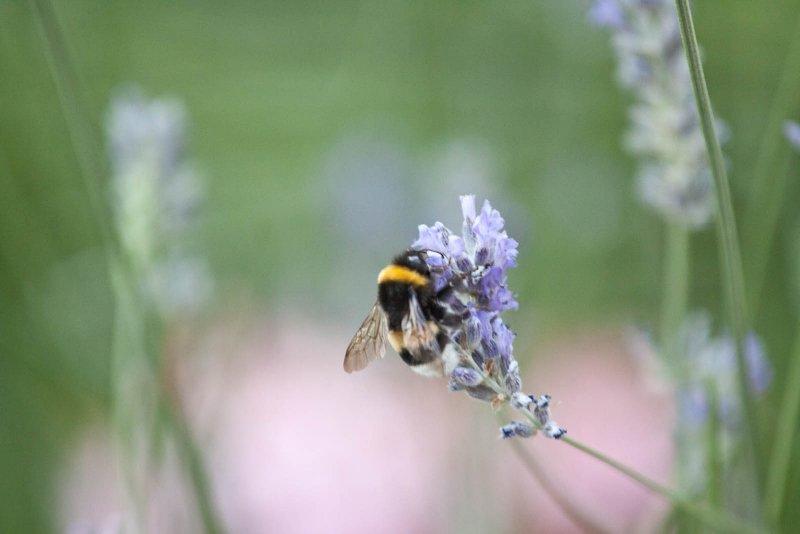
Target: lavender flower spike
[(471, 272), (664, 133), (156, 197)]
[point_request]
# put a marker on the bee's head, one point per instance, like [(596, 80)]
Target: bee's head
[(414, 260)]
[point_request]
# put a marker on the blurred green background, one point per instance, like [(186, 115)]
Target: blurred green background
[(284, 98)]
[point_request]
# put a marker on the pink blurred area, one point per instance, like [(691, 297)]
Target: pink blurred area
[(294, 444), (600, 396)]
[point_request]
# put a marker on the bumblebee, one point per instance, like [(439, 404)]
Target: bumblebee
[(409, 314)]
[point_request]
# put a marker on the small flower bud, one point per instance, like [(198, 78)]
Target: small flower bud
[(516, 429), (490, 349), (454, 386), (472, 327), (553, 431), (521, 401), (482, 393), (466, 376), (542, 408)]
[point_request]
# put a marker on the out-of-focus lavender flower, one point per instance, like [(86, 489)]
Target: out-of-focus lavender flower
[(156, 197), (665, 132), (470, 271), (711, 362), (709, 368), (791, 130), (607, 13)]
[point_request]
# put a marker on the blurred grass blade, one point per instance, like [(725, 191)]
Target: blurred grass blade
[(730, 256), (193, 459), (676, 291), (715, 483), (770, 175), (84, 142), (788, 419)]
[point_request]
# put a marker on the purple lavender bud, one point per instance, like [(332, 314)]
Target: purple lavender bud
[(482, 256), (456, 247), (433, 238), (553, 431), (516, 429), (505, 338), (506, 253), (464, 264), (791, 130), (488, 222), (759, 369), (472, 327), (466, 376), (607, 14), (481, 392), (454, 386), (693, 406), (490, 350)]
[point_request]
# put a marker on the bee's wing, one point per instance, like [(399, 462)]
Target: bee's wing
[(369, 342), (419, 334)]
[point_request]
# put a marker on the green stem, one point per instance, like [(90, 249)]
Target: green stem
[(676, 289), (83, 139), (769, 180), (195, 464), (733, 278), (712, 518), (133, 399), (713, 447), (778, 473), (579, 517)]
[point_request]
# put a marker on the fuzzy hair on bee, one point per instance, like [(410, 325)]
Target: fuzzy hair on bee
[(409, 315)]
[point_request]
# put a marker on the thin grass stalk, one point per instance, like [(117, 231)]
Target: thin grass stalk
[(770, 178), (193, 458), (674, 305), (714, 482), (676, 290), (786, 429), (84, 143), (730, 256)]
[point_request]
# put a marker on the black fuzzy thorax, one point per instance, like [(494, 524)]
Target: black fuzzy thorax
[(394, 297)]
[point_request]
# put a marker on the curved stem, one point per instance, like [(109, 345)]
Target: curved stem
[(710, 517), (676, 289), (788, 415), (579, 517), (730, 256)]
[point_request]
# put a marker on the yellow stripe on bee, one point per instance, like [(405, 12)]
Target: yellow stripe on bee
[(398, 273), (396, 340)]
